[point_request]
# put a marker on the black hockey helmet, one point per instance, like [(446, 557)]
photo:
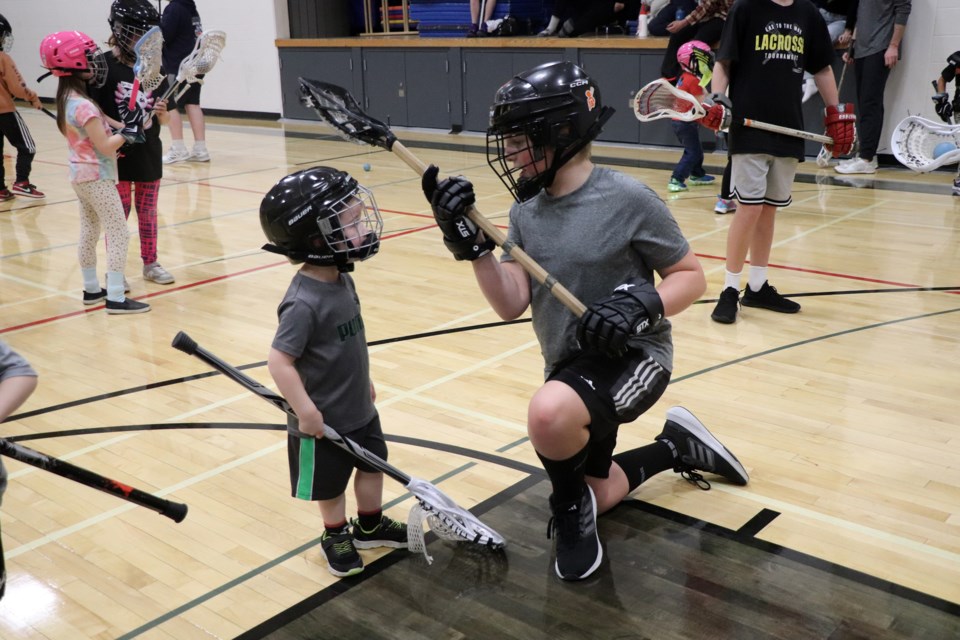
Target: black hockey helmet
[(554, 105), (321, 216), (6, 35), (129, 20)]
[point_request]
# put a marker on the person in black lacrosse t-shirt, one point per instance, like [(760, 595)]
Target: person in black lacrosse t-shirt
[(765, 48), (17, 382)]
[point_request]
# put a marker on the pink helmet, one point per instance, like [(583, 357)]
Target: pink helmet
[(685, 53), (66, 53)]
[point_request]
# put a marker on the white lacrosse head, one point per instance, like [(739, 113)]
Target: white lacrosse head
[(660, 99), (204, 56), (149, 50), (915, 142), (447, 520)]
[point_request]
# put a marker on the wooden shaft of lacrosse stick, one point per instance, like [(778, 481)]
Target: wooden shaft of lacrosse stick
[(529, 265), (796, 133), (173, 510), (183, 342)]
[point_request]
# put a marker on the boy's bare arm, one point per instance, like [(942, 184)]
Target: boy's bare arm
[(287, 379)]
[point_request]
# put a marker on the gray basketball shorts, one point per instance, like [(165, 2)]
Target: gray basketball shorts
[(615, 391), (320, 470), (759, 178)]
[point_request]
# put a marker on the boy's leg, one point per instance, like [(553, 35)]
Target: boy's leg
[(15, 130)]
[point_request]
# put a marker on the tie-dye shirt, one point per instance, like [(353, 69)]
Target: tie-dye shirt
[(86, 163)]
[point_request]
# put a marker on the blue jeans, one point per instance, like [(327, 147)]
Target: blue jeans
[(691, 162)]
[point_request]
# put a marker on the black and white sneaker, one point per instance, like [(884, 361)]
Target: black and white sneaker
[(342, 557), (574, 528), (768, 298), (697, 449), (94, 298), (127, 306)]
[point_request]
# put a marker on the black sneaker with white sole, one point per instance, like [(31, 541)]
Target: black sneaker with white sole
[(696, 449), (127, 306), (387, 533), (94, 298), (574, 528), (342, 557)]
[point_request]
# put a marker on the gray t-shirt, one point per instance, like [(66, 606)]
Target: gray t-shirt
[(321, 327), (610, 230), (12, 365)]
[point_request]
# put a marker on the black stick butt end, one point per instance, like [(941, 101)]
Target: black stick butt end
[(185, 343)]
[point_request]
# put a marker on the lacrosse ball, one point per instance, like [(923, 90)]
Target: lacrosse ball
[(366, 166), (942, 148)]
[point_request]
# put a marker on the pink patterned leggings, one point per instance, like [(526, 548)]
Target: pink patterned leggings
[(145, 197)]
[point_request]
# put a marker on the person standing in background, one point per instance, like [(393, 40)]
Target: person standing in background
[(181, 27), (12, 126)]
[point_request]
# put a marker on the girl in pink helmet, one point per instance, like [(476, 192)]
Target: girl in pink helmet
[(696, 63)]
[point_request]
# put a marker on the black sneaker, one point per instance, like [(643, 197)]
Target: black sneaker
[(699, 450), (342, 557), (574, 527), (726, 310), (768, 298), (956, 187), (389, 533), (93, 298), (129, 305)]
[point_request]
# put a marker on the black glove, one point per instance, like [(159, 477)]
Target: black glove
[(450, 201), (608, 324), (941, 102), (132, 133)]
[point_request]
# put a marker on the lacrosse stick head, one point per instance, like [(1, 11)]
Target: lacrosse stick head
[(541, 118), (321, 216), (205, 54), (447, 520), (6, 35), (660, 99), (336, 107), (149, 51), (129, 21), (924, 145), (73, 53)]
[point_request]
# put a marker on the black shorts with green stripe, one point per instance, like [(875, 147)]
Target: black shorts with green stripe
[(320, 470)]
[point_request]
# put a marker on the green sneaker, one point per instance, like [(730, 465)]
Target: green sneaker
[(698, 181), (342, 557), (675, 185), (389, 533)]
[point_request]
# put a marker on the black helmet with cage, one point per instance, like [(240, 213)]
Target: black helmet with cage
[(321, 216), (555, 105), (6, 35), (129, 20)]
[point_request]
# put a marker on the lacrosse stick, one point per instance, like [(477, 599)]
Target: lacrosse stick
[(446, 519), (924, 145), (173, 510), (340, 110), (824, 156), (200, 61), (660, 99), (146, 70)]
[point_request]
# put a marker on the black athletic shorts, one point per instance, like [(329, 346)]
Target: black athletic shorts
[(615, 391), (190, 96), (320, 470)]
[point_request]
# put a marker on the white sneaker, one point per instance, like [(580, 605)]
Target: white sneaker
[(176, 155), (857, 165), (199, 155), (809, 89), (156, 273)]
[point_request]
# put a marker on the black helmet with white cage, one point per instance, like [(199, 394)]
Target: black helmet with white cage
[(554, 105), (321, 216), (129, 20)]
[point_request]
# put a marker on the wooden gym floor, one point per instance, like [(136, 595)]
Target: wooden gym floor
[(845, 416)]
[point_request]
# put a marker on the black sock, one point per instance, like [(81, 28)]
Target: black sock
[(369, 521), (566, 476), (645, 462), (335, 529)]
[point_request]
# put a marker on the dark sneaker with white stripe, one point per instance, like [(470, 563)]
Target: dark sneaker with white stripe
[(342, 557), (768, 298), (388, 533), (696, 449), (574, 528)]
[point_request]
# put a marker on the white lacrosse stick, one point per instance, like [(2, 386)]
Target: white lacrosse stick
[(200, 61), (660, 99), (924, 145), (146, 70)]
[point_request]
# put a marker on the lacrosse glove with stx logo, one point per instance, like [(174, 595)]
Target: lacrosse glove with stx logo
[(608, 324), (450, 201), (941, 103), (719, 112), (841, 125)]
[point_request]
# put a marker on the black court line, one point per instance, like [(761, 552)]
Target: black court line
[(757, 523)]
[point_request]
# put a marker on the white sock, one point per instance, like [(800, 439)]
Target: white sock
[(178, 145), (554, 23), (115, 286), (731, 280), (200, 145), (756, 278), (90, 282)]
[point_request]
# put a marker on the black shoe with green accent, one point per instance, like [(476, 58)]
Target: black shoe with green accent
[(388, 533), (342, 557)]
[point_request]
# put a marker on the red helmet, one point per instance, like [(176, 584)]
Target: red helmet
[(67, 53)]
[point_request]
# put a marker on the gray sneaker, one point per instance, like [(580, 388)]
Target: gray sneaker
[(154, 272), (128, 306), (699, 450), (176, 154)]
